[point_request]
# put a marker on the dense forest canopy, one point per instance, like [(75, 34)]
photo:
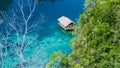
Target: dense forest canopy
[(97, 42)]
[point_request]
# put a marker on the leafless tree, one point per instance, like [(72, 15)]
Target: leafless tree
[(20, 32)]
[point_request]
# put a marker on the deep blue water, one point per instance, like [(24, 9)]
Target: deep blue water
[(51, 37), (68, 8), (52, 11)]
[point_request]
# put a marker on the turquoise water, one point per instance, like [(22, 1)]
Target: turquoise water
[(51, 37)]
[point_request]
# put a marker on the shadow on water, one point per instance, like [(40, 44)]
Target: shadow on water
[(43, 1), (66, 33), (4, 5)]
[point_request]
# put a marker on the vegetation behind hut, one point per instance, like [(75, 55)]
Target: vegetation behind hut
[(97, 43)]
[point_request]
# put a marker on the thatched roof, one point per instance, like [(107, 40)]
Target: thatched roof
[(65, 21)]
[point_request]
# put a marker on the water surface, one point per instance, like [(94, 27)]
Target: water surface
[(52, 37)]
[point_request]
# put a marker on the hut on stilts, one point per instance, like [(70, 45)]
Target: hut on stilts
[(66, 23)]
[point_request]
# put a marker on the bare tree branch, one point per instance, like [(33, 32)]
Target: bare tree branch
[(18, 28)]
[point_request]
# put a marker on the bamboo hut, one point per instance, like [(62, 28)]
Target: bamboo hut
[(66, 23)]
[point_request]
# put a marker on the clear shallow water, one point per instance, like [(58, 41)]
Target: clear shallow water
[(52, 37)]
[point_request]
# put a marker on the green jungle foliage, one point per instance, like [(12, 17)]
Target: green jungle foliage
[(55, 60), (97, 42)]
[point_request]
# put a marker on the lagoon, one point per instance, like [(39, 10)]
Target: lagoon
[(51, 37)]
